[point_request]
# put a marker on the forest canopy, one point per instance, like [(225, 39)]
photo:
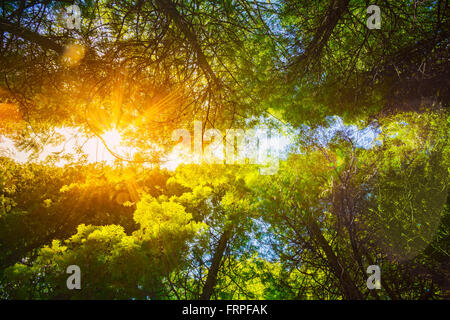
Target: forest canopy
[(225, 149)]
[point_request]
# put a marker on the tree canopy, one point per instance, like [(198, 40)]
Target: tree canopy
[(359, 116)]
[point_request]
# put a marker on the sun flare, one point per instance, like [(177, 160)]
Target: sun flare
[(112, 139), (106, 147)]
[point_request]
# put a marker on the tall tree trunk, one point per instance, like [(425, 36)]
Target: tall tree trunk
[(211, 280), (350, 290)]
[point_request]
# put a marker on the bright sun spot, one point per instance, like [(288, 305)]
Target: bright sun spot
[(112, 139), (97, 151)]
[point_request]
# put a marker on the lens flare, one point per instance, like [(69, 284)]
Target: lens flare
[(112, 138)]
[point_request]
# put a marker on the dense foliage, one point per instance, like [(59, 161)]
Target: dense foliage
[(337, 203)]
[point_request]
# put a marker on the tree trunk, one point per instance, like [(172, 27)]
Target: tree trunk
[(211, 280), (351, 292)]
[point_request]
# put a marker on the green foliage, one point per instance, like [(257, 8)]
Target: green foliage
[(202, 231)]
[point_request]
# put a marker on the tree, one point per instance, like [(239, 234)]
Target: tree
[(142, 69)]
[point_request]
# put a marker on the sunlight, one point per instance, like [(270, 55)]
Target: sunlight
[(112, 138), (113, 141), (74, 144)]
